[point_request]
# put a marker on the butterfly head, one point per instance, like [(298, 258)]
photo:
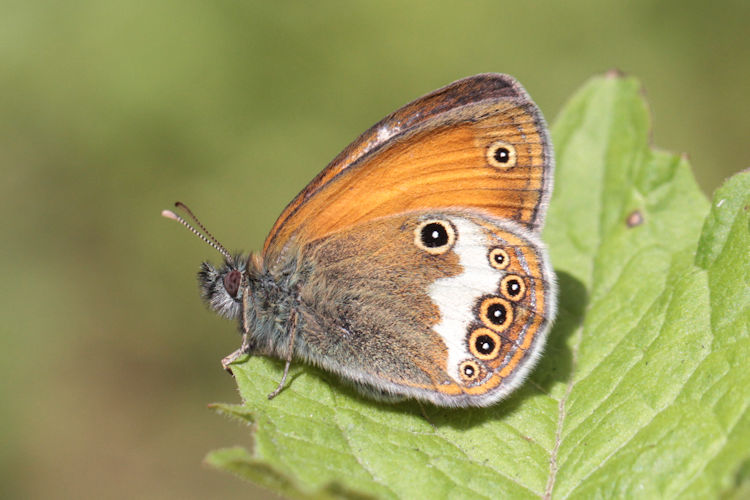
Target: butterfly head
[(223, 287)]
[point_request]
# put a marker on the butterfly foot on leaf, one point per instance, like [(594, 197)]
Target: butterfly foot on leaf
[(232, 358), (282, 382)]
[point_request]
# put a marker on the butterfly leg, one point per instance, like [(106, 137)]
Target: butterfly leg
[(244, 349), (292, 325), (245, 346)]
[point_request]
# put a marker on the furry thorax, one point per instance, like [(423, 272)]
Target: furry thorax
[(271, 298)]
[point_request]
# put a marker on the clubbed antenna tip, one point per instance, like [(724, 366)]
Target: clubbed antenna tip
[(170, 215)]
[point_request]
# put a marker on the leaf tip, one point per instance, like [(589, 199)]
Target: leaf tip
[(614, 73)]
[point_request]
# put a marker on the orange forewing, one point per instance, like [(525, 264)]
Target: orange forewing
[(463, 92), (439, 163)]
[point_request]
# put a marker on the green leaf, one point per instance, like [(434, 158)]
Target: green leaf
[(643, 390)]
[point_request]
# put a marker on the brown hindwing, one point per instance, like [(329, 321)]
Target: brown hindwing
[(371, 312)]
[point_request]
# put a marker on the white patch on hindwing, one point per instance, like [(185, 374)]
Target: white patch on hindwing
[(456, 296)]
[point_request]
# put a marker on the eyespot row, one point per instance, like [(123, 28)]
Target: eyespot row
[(496, 314), (485, 345), (437, 236)]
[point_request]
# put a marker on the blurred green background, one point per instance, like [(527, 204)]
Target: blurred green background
[(110, 111)]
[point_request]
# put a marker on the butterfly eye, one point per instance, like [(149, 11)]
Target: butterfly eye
[(435, 236), (232, 282), (469, 370), (496, 313), (499, 258), (501, 154), (484, 344), (513, 287)]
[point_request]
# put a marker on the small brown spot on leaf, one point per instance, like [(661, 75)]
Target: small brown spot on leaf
[(634, 219)]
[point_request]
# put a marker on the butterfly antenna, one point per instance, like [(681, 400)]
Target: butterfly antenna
[(207, 237), (181, 205)]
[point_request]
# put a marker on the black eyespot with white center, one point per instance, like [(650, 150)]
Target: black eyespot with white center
[(513, 287), (484, 344), (496, 313), (502, 154), (469, 370), (435, 236), (499, 258)]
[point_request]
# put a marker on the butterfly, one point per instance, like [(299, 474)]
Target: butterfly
[(412, 265)]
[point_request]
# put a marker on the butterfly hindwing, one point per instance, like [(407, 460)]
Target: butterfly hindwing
[(450, 306)]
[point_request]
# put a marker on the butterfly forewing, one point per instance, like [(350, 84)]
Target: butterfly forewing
[(489, 151)]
